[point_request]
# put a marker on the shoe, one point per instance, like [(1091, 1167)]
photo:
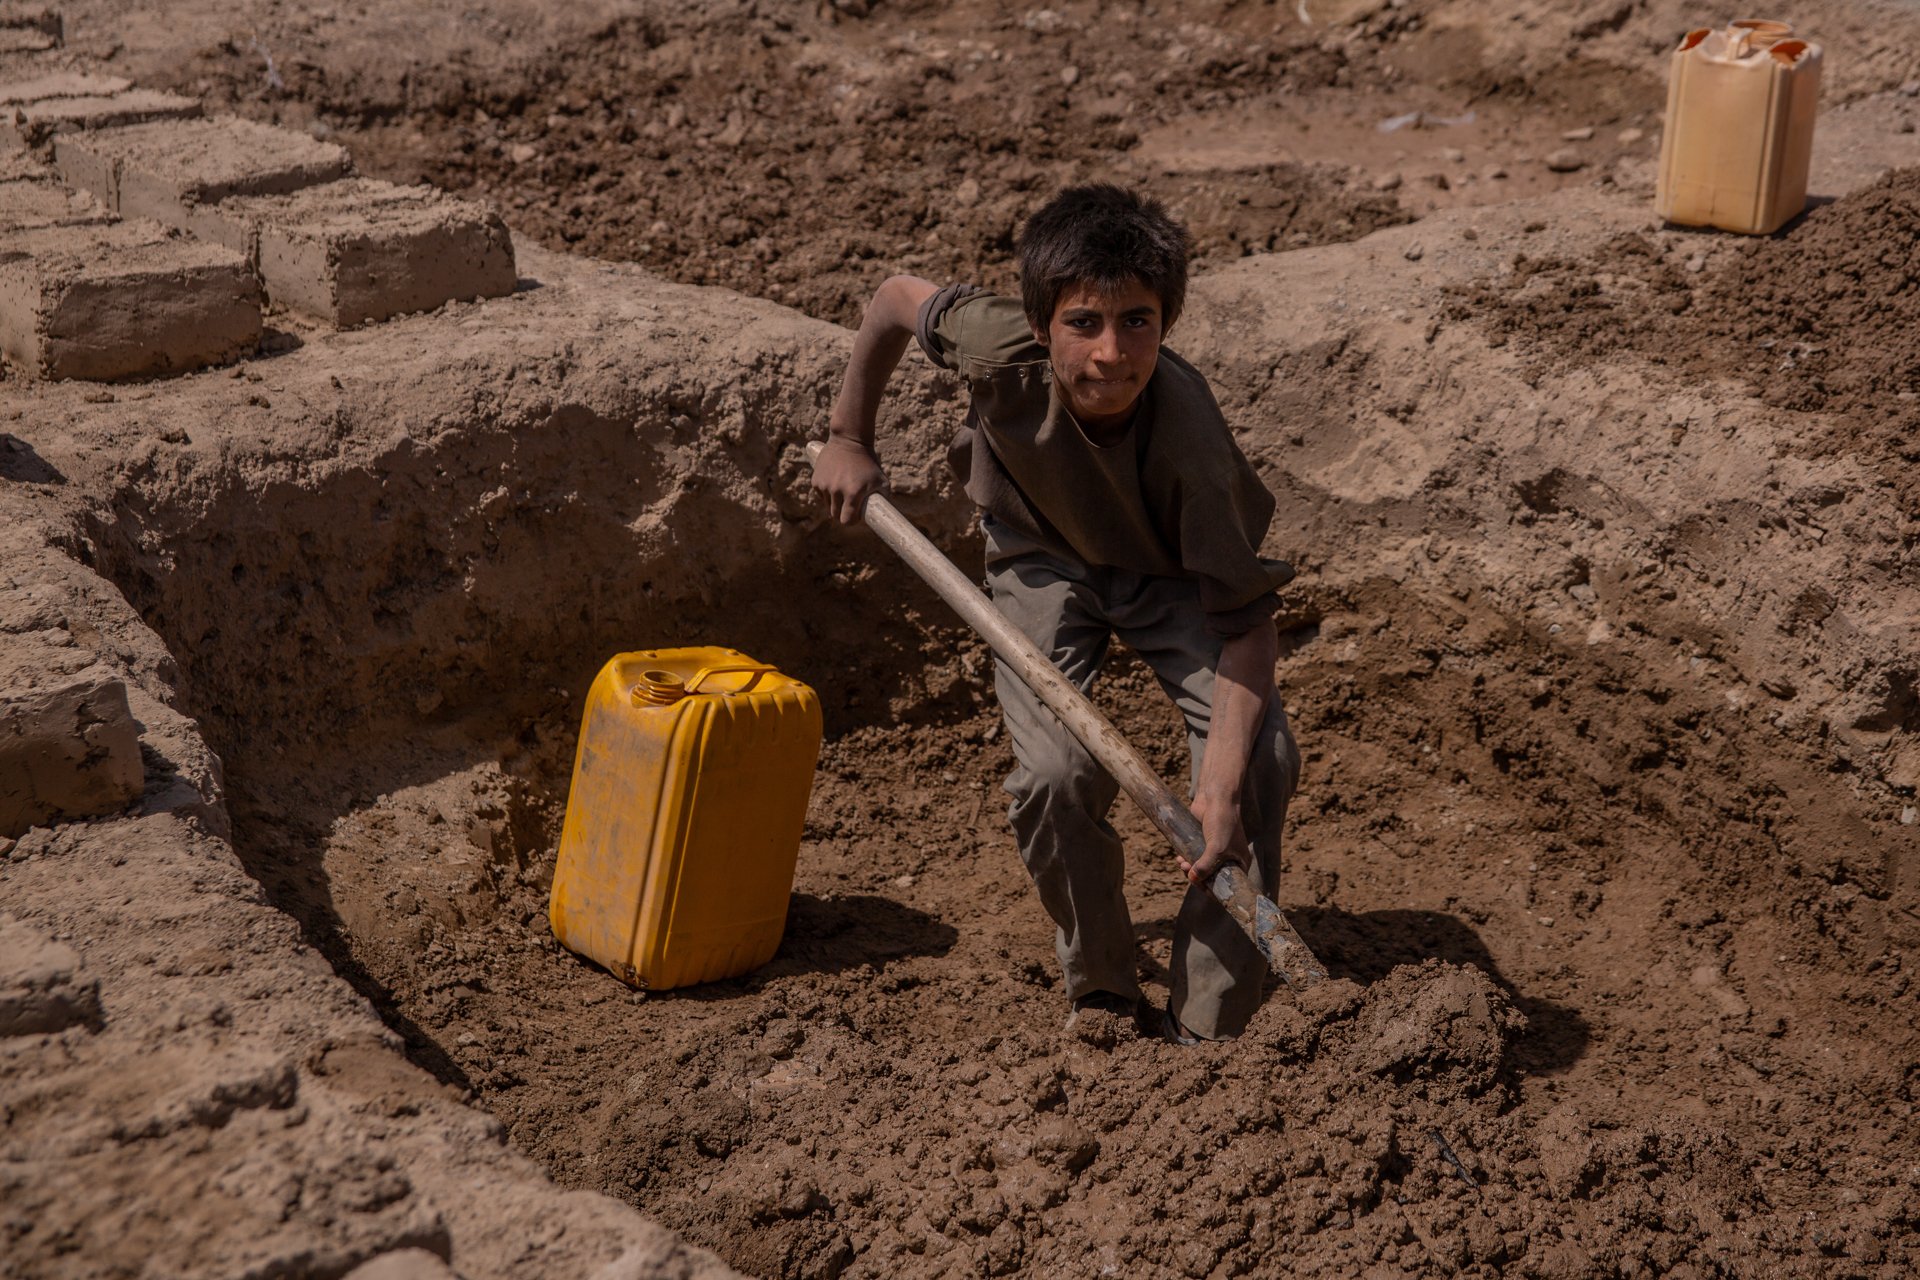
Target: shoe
[(1098, 1017), (1172, 1032), (1107, 1001)]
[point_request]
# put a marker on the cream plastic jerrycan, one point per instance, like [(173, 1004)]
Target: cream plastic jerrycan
[(1739, 133), (683, 823)]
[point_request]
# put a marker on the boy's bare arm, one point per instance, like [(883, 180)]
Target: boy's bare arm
[(847, 470), (1243, 684)]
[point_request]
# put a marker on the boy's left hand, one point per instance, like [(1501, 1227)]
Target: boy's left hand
[(1226, 839)]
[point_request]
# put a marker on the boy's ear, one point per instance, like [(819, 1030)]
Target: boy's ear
[(1039, 333)]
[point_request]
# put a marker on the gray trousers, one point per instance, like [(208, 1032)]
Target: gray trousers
[(1061, 795)]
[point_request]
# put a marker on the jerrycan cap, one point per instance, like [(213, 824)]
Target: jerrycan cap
[(658, 689)]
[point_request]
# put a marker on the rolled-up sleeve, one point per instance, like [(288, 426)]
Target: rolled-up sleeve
[(927, 327), (1237, 621)]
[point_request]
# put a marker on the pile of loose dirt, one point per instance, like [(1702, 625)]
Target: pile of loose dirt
[(1822, 318), (782, 156)]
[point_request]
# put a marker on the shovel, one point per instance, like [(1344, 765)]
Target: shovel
[(1262, 920)]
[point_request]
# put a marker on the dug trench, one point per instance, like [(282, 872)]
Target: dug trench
[(1608, 945)]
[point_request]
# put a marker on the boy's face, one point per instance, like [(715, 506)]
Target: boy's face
[(1103, 348)]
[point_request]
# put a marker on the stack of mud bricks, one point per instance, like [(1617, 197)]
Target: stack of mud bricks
[(138, 239)]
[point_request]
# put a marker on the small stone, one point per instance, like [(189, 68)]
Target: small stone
[(1413, 253), (1911, 88), (1494, 172), (1566, 160), (522, 152), (1909, 816), (404, 1264), (903, 882), (1583, 134), (1387, 182), (1697, 263), (1627, 137), (1454, 155), (783, 1036), (1069, 76)]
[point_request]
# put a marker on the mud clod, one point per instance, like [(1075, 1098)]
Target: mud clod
[(42, 985)]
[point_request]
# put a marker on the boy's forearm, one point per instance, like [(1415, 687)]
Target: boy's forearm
[(885, 330), (1243, 684)]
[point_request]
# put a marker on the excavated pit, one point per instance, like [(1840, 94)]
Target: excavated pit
[(403, 806)]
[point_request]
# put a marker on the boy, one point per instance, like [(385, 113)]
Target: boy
[(1114, 502)]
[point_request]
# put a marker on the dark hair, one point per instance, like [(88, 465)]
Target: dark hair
[(1106, 237)]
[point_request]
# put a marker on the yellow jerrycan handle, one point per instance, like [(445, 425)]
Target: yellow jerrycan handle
[(758, 669), (664, 688)]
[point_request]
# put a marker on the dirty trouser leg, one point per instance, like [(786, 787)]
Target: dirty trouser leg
[(1218, 974), (1061, 795)]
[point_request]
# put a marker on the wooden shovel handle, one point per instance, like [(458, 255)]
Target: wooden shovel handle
[(1285, 952)]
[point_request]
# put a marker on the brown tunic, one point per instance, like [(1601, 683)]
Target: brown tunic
[(1172, 496)]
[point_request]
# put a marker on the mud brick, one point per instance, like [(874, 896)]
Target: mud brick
[(62, 84), (69, 748), (122, 301), (30, 28), (37, 18), (17, 166), (176, 171), (27, 205), (34, 125), (361, 250)]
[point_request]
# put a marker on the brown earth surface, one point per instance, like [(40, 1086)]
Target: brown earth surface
[(1602, 661)]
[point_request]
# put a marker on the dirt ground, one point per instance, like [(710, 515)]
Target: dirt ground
[(1602, 659)]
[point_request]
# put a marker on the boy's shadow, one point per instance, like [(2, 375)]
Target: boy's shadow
[(19, 462), (1366, 946)]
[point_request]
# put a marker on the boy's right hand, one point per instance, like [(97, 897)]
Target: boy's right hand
[(846, 473)]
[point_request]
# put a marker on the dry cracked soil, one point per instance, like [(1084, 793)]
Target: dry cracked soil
[(1602, 660)]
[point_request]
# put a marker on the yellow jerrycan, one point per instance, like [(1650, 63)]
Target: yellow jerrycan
[(683, 822), (1739, 133)]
